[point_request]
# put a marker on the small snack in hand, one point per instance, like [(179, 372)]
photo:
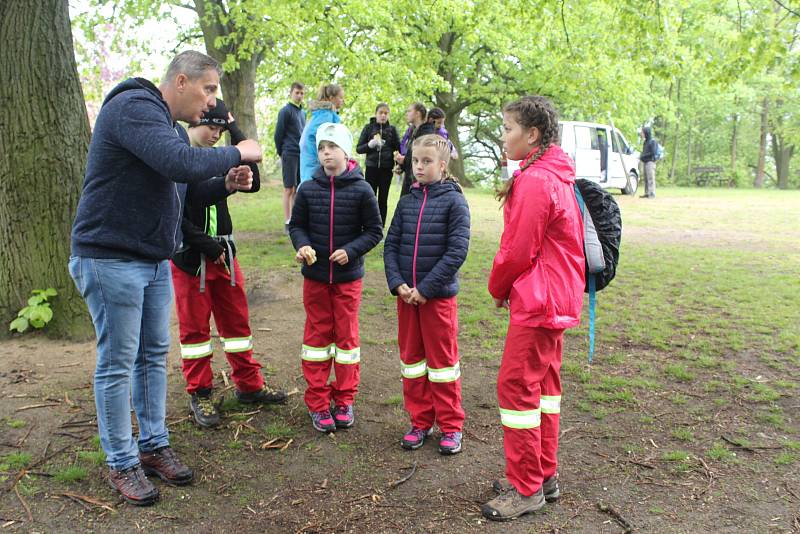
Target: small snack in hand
[(310, 255)]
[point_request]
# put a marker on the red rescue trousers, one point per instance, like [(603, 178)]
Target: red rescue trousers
[(229, 305), (331, 336), (428, 339), (529, 392)]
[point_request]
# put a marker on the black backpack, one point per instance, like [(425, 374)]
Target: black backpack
[(603, 230)]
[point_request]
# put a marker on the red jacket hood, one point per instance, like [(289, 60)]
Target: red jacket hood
[(556, 162)]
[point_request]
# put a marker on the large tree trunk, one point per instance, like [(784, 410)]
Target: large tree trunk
[(44, 139), (734, 141), (456, 165), (674, 157), (238, 86), (782, 155), (762, 145)]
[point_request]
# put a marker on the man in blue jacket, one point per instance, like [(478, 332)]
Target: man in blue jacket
[(126, 228), (288, 128)]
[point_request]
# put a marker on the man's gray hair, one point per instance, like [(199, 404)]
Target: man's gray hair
[(193, 64)]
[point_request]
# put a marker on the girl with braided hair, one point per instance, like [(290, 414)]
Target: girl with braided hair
[(426, 245), (538, 274)]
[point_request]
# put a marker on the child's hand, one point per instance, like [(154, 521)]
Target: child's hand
[(500, 303), (399, 158), (403, 291), (417, 298), (340, 257), (306, 254)]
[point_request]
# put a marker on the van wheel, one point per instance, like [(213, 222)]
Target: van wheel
[(632, 185)]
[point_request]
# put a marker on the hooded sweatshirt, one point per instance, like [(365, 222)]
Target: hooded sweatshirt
[(336, 212), (650, 146), (540, 267), (321, 112), (130, 206)]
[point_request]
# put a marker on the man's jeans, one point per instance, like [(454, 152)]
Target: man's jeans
[(130, 305)]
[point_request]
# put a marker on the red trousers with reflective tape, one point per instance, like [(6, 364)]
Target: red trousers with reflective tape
[(428, 339), (529, 393), (331, 338), (229, 306)]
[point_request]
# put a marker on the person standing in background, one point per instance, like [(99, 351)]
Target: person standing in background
[(288, 129)]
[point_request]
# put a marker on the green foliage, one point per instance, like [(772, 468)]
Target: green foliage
[(14, 461), (37, 313), (71, 474)]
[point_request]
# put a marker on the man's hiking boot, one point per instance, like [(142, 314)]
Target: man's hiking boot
[(512, 504), (265, 395), (415, 438), (133, 485), (164, 463), (549, 487), (344, 416), (322, 421), (203, 408), (450, 443)]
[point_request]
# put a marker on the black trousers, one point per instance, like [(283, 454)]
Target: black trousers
[(380, 178)]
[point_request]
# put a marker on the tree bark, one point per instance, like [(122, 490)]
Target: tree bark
[(734, 141), (674, 157), (238, 86), (44, 139), (762, 145), (782, 155)]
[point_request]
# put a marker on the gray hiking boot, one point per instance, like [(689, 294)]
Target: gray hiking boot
[(204, 409), (549, 487), (512, 504)]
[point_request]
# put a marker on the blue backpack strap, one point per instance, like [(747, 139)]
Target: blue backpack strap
[(592, 285), (592, 302)]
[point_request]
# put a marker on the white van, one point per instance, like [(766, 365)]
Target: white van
[(612, 165)]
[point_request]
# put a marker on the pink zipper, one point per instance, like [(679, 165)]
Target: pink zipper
[(330, 246), (416, 238)]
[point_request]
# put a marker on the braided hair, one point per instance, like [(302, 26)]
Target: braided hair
[(532, 112)]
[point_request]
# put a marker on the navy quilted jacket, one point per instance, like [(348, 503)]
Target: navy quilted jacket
[(428, 240), (333, 212)]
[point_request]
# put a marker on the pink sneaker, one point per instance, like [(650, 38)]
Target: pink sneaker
[(343, 415), (322, 421), (450, 443), (415, 438)]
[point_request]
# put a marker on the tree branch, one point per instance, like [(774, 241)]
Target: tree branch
[(795, 13)]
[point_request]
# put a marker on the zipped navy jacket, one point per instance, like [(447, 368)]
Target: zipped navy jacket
[(336, 212), (428, 240)]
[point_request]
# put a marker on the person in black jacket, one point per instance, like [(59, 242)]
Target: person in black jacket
[(335, 222), (378, 141), (416, 116), (288, 128), (207, 278), (648, 159), (426, 244)]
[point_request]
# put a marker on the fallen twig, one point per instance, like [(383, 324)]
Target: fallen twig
[(25, 437), (24, 504), (619, 518), (475, 437), (405, 478), (33, 406), (90, 500), (642, 464), (748, 448)]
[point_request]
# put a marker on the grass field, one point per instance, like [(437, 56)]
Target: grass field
[(685, 422)]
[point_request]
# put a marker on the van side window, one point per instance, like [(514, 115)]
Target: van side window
[(584, 138), (615, 143)]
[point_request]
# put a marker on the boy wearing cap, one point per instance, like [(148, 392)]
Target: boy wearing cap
[(335, 222), (207, 279)]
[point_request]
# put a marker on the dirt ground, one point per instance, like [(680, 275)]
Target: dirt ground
[(267, 471)]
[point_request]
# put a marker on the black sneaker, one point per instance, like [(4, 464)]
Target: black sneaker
[(203, 408), (265, 395)]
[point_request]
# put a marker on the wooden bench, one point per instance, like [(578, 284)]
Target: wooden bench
[(710, 175)]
